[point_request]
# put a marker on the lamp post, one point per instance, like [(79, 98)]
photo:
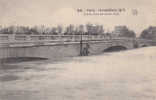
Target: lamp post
[(81, 45)]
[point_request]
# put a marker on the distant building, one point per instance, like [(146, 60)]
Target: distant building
[(123, 31), (119, 29)]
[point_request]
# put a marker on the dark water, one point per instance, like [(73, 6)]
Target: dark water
[(21, 59)]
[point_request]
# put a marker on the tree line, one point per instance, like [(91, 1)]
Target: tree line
[(88, 29), (43, 30)]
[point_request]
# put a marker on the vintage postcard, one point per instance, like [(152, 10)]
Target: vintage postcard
[(77, 50)]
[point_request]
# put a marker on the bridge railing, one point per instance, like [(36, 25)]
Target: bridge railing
[(59, 38), (24, 38)]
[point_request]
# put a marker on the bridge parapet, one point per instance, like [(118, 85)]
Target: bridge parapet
[(146, 42), (54, 38), (22, 38), (39, 40)]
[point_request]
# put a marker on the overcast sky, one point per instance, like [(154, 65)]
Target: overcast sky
[(53, 12)]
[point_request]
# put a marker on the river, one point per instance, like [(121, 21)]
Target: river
[(125, 75)]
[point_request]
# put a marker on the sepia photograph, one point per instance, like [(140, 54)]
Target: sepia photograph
[(77, 50)]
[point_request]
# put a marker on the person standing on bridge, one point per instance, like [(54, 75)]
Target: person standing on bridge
[(86, 50)]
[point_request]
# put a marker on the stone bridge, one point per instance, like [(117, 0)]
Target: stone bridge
[(58, 46)]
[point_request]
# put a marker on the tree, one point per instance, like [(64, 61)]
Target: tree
[(123, 31), (54, 31), (149, 33), (22, 30), (34, 30), (5, 31), (94, 29), (100, 29), (59, 29), (80, 30), (70, 30), (89, 28)]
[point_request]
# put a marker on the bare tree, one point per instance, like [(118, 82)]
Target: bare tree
[(59, 29), (54, 31), (70, 29)]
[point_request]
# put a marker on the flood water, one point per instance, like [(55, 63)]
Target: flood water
[(125, 75)]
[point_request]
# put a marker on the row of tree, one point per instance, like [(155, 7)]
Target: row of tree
[(149, 33), (69, 30), (91, 29)]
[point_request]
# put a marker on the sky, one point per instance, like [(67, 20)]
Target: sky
[(61, 12)]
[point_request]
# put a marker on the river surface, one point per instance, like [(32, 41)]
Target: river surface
[(126, 75)]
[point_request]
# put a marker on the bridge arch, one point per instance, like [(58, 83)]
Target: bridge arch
[(115, 48), (144, 45)]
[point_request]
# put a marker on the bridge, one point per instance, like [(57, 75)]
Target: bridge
[(56, 46)]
